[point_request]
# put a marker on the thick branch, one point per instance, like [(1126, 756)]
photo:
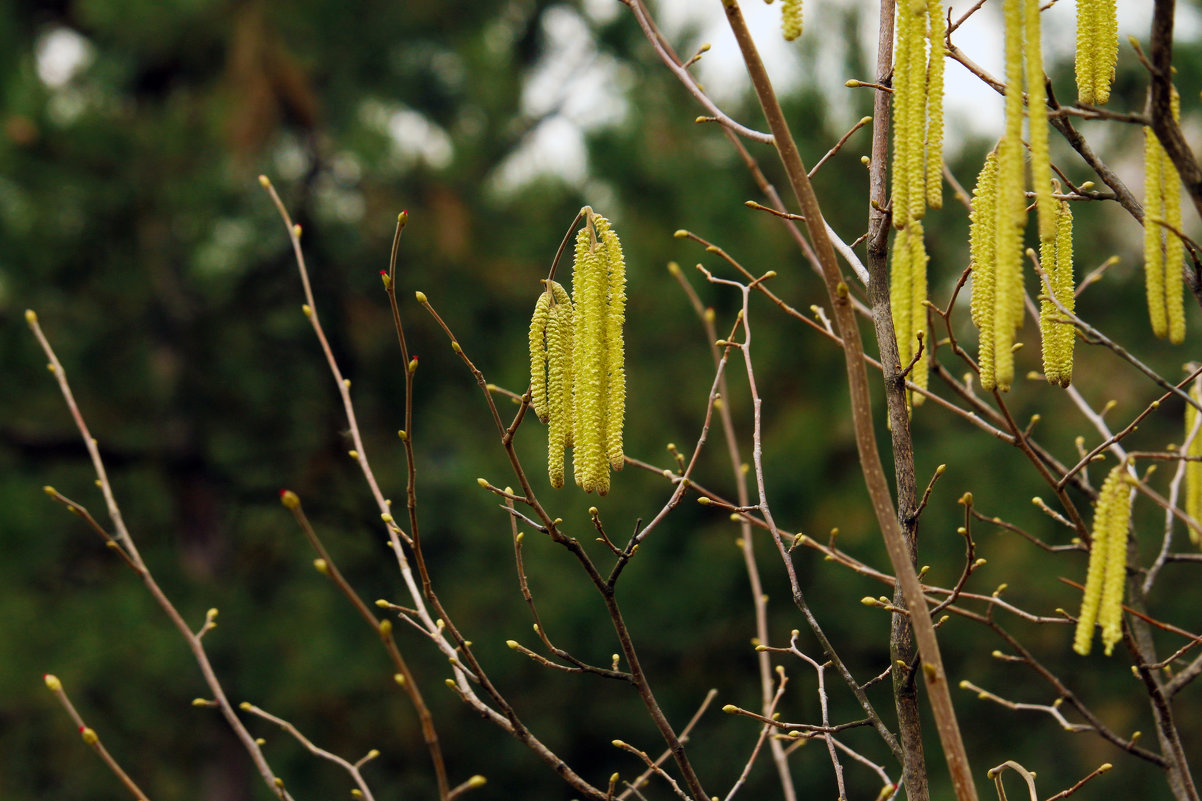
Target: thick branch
[(870, 461)]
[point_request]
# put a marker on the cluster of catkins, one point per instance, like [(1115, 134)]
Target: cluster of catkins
[(999, 205), (999, 217), (577, 372), (917, 168)]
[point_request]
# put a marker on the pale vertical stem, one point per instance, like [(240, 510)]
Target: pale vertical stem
[(861, 410)]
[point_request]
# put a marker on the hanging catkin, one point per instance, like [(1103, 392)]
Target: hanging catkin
[(599, 383), (1011, 205), (791, 18), (577, 360), (920, 49), (1193, 470), (551, 333), (1037, 121), (1106, 578), (1056, 330), (1164, 252), (1097, 49), (982, 250)]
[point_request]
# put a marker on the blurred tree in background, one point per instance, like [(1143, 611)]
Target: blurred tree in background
[(131, 135)]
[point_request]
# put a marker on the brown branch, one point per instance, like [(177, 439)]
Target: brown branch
[(870, 463)]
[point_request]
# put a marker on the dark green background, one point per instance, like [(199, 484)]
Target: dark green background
[(134, 224)]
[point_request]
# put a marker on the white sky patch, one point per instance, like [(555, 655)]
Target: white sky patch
[(60, 55), (554, 148), (415, 138), (418, 139), (574, 88)]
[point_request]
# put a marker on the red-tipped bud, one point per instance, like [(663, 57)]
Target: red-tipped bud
[(289, 499), (413, 364)]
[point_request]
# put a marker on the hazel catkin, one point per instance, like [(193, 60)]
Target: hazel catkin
[(791, 19), (1193, 469), (1105, 582), (1056, 331), (1097, 49)]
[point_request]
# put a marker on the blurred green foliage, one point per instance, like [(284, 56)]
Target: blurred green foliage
[(131, 220)]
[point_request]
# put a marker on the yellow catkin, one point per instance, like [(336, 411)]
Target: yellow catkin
[(1107, 51), (1011, 208), (559, 382), (538, 355), (1193, 470), (1086, 57), (1174, 248), (599, 375), (918, 308), (1097, 49), (904, 138), (934, 102), (791, 19), (588, 287), (907, 298), (1057, 333), (916, 108), (982, 249), (560, 352), (1037, 122), (1154, 257), (615, 348), (900, 292), (1102, 602), (1114, 582)]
